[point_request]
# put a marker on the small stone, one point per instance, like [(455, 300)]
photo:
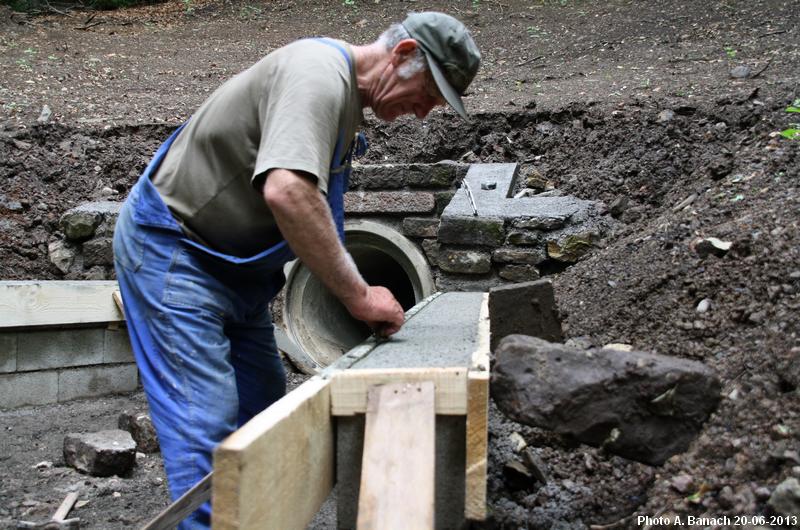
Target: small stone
[(517, 476), (711, 245), (535, 180), (489, 185), (665, 116), (61, 255), (536, 466), (518, 441), (682, 483), (141, 428), (571, 248), (79, 225), (785, 500), (618, 206), (100, 454), (44, 116), (704, 305), (431, 248), (740, 72)]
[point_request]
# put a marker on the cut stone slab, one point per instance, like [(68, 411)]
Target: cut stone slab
[(465, 261), (101, 454), (140, 426), (527, 308), (471, 230), (394, 176), (420, 226), (519, 273), (388, 202), (639, 405), (519, 256)]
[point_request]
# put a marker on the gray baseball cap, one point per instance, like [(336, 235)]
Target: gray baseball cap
[(451, 53)]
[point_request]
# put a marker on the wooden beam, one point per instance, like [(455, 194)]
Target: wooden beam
[(46, 303), (478, 421), (397, 471), (477, 446), (349, 388), (278, 469)]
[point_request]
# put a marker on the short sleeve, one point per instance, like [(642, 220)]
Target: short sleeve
[(300, 112)]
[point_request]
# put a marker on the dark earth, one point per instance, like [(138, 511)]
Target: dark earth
[(630, 103)]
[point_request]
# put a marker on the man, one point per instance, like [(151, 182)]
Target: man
[(253, 179)]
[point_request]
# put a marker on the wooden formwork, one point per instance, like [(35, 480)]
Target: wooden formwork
[(276, 471)]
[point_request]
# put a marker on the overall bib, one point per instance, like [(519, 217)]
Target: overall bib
[(200, 326)]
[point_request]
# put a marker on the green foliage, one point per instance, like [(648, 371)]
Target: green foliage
[(791, 133), (794, 107), (730, 52)]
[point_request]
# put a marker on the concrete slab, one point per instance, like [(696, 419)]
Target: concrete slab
[(442, 334)]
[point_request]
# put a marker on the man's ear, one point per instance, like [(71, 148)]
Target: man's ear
[(403, 50)]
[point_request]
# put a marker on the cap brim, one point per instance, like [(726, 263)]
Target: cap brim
[(448, 92)]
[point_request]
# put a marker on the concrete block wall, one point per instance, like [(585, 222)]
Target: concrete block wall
[(39, 366)]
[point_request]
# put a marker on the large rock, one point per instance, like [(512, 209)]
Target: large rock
[(141, 428), (465, 261), (785, 500), (472, 230), (639, 405), (100, 454)]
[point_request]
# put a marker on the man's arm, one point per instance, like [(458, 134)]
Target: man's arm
[(305, 221)]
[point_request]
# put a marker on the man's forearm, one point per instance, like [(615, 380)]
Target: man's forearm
[(305, 222)]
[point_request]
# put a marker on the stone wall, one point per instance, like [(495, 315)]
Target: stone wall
[(511, 239)]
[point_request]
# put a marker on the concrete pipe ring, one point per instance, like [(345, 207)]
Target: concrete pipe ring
[(318, 328)]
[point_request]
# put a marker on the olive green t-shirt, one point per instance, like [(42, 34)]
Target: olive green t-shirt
[(286, 111)]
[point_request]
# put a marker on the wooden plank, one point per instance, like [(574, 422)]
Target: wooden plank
[(478, 421), (349, 388), (183, 507), (397, 471), (44, 303), (477, 446), (278, 469)]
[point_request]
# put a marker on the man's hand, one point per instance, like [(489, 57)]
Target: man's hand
[(380, 310), (305, 221)]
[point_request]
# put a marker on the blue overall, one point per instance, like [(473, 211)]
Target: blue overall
[(200, 326)]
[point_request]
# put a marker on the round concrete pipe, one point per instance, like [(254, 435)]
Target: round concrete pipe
[(319, 325)]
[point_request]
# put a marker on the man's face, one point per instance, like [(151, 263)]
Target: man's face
[(398, 96)]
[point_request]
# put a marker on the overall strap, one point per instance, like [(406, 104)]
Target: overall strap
[(340, 167)]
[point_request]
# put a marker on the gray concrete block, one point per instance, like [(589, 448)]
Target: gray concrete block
[(472, 230), (450, 463), (97, 381), (8, 351), (117, 346), (420, 226), (383, 202), (37, 388), (100, 454), (465, 261), (38, 350)]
